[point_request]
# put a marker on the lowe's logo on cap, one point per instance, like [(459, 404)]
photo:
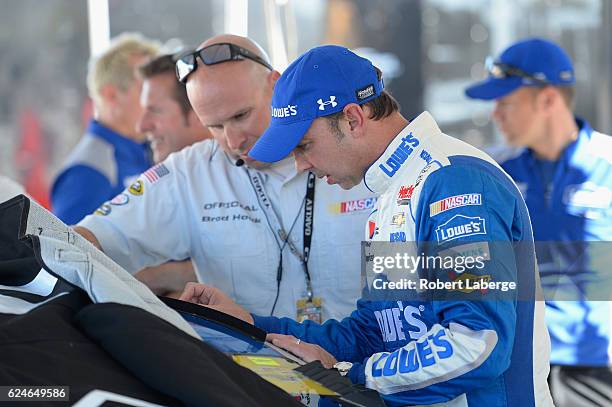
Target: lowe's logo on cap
[(319, 83), (286, 111)]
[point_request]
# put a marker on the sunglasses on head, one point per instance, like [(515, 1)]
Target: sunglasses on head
[(499, 70), (211, 55)]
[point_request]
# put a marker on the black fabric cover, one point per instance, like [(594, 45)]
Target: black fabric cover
[(17, 263), (46, 347), (174, 362), (69, 341)]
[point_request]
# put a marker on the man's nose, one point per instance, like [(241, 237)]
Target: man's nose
[(235, 139), (301, 164), (144, 124)]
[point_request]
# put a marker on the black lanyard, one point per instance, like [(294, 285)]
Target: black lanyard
[(283, 238), (308, 228)]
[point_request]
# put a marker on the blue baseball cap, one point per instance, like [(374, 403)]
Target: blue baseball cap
[(531, 62), (319, 83)]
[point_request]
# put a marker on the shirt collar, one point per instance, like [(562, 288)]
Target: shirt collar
[(119, 141), (569, 153), (284, 170), (584, 136), (401, 154)]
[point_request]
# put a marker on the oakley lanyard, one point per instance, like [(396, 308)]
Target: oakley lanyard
[(281, 237)]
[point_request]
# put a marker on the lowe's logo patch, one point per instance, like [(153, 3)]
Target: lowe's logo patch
[(400, 155), (460, 226)]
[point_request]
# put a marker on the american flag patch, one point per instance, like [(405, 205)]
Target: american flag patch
[(154, 173)]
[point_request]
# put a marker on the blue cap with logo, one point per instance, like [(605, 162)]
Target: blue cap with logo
[(531, 62), (319, 83)]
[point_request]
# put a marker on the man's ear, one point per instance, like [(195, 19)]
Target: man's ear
[(272, 78), (549, 97), (356, 118), (108, 93)]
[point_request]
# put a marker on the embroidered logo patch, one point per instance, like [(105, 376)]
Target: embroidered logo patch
[(372, 229), (460, 226), (103, 210), (352, 206), (365, 93), (120, 199), (137, 188), (405, 194), (398, 219), (155, 173), (397, 237), (452, 202)]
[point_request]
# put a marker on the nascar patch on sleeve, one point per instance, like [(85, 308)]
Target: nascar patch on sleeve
[(453, 202)]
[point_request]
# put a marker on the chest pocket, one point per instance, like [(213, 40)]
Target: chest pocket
[(238, 252), (340, 237)]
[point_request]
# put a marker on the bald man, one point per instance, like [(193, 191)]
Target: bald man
[(279, 242)]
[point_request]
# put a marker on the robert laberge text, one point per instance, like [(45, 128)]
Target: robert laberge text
[(457, 285)]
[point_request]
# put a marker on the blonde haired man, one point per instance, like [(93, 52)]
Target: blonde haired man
[(112, 153)]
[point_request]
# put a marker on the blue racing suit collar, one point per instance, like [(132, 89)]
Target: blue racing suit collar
[(119, 141), (401, 155), (569, 154)]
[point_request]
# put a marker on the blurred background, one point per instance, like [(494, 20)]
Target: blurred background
[(429, 50)]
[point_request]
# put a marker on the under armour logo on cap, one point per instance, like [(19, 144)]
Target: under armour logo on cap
[(331, 101), (313, 77)]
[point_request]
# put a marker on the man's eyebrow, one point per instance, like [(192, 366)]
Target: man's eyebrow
[(240, 112), (232, 116)]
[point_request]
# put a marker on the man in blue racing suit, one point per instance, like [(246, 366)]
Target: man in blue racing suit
[(329, 109)]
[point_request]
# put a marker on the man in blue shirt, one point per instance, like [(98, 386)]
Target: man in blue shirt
[(112, 153), (438, 195), (564, 171)]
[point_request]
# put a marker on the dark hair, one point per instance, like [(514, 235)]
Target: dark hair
[(380, 107), (164, 65)]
